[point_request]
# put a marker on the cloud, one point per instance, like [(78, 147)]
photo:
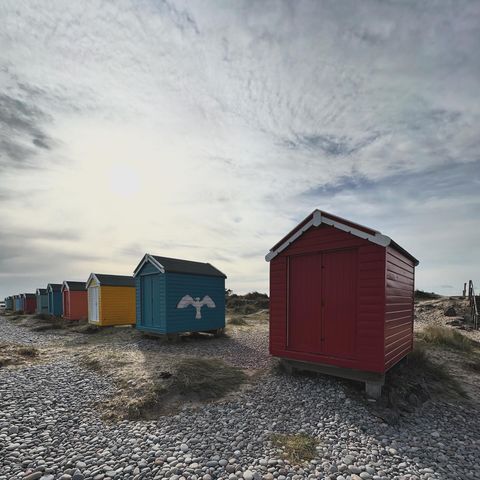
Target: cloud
[(329, 144), (22, 125), (230, 124)]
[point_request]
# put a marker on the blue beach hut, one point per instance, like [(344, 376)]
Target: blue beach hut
[(54, 295), (175, 296), (18, 303), (9, 303), (42, 300)]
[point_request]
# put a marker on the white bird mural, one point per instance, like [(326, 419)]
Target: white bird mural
[(187, 300)]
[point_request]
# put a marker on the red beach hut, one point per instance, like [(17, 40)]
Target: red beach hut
[(341, 299), (29, 303), (75, 300)]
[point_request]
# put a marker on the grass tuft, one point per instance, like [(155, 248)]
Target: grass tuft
[(86, 328), (237, 321), (28, 351), (447, 337), (11, 354), (296, 448), (142, 407)]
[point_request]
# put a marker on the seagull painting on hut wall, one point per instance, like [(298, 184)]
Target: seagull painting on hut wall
[(187, 300)]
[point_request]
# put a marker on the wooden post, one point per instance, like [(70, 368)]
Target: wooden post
[(464, 289)]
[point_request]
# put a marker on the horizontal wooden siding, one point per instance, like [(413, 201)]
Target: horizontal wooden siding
[(117, 305), (183, 319), (370, 305), (399, 307)]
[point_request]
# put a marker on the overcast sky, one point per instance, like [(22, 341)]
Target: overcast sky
[(206, 130)]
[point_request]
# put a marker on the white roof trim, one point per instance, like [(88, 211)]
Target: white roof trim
[(317, 220), (147, 258), (90, 278), (65, 286)]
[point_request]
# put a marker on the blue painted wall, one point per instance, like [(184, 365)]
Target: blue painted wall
[(183, 319), (18, 304), (42, 304), (158, 295), (9, 303), (55, 303)]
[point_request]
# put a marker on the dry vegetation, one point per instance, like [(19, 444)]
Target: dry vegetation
[(296, 448), (40, 322), (11, 354), (421, 295), (150, 384), (246, 304), (247, 310), (445, 363), (446, 337)]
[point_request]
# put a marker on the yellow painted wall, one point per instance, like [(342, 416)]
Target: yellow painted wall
[(117, 306)]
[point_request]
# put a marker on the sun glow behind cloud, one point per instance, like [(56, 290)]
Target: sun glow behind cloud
[(124, 180)]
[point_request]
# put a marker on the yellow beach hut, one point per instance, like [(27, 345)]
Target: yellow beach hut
[(111, 299)]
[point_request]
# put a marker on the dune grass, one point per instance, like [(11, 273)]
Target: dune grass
[(446, 337), (422, 295), (190, 379), (422, 376), (11, 354), (161, 384)]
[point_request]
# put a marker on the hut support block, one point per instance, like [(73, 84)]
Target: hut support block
[(373, 381), (373, 389)]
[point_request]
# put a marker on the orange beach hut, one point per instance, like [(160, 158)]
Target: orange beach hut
[(111, 299)]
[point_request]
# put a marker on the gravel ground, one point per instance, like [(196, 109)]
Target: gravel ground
[(9, 332), (244, 347), (50, 429)]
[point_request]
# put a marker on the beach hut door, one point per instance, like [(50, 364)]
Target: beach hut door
[(93, 298), (147, 299)]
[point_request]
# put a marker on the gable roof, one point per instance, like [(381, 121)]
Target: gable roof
[(28, 295), (41, 291), (319, 217), (176, 265), (111, 280), (73, 286), (55, 287)]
